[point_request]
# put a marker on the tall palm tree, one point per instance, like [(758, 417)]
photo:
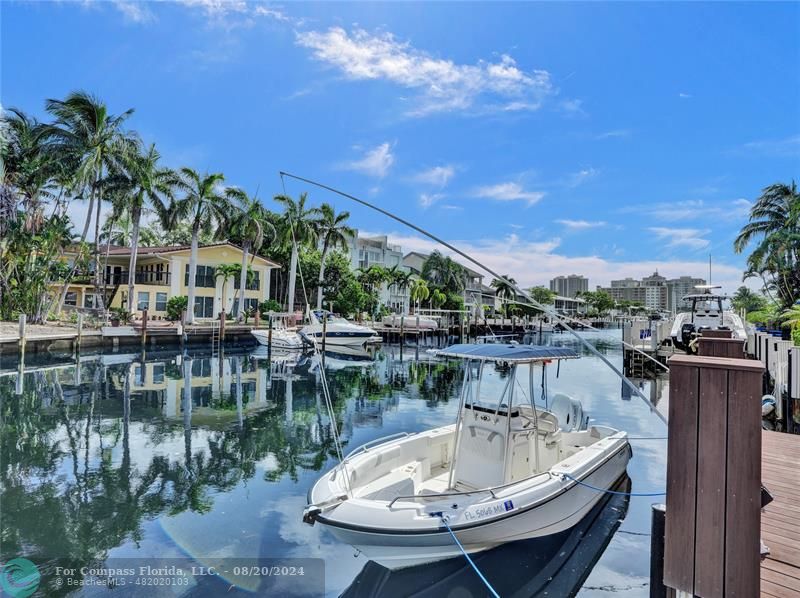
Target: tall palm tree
[(249, 225), (142, 181), (505, 290), (443, 272), (85, 129), (299, 229), (226, 271), (775, 221), (334, 233), (204, 203), (118, 231)]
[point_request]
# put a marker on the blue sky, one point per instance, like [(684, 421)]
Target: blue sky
[(546, 138)]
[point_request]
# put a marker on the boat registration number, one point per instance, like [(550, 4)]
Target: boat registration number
[(489, 511)]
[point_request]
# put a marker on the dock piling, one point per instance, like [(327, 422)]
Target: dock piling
[(22, 325), (658, 519), (144, 328)]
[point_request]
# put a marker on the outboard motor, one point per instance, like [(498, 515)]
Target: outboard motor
[(569, 413), (687, 333)]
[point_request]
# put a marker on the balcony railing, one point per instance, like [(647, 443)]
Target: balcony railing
[(121, 278)]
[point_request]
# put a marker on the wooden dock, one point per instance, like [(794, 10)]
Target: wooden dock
[(780, 520)]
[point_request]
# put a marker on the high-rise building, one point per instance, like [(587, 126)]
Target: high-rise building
[(655, 292), (569, 286), (678, 288)]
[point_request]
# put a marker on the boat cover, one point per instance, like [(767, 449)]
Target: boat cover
[(507, 352)]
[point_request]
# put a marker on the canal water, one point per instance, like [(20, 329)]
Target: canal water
[(109, 459)]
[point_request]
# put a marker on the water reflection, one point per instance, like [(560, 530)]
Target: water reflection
[(174, 454)]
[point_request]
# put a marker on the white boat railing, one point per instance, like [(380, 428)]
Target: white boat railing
[(491, 490), (377, 442)]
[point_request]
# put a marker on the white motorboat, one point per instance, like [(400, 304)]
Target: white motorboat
[(503, 472), (706, 314), (282, 339), (410, 322), (338, 331)]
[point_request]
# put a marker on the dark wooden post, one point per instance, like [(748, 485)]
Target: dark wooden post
[(713, 477), (222, 327)]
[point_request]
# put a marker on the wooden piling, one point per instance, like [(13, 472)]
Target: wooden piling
[(658, 519), (22, 325), (713, 477), (269, 336), (221, 327), (402, 330), (324, 332), (80, 332)]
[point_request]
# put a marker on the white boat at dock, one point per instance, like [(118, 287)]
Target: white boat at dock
[(410, 322), (282, 339), (337, 331), (706, 313), (503, 472)]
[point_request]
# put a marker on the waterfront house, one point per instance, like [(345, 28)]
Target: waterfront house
[(378, 251), (163, 272)]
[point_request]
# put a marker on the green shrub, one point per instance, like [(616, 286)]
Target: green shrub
[(176, 306), (796, 335), (267, 306)]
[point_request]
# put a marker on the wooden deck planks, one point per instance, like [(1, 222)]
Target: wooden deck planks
[(780, 520)]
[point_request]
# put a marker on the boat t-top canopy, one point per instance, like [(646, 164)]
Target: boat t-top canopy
[(507, 352)]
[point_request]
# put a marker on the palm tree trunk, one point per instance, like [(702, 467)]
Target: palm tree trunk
[(98, 275), (242, 281), (292, 279), (321, 275), (136, 214), (192, 273), (65, 287)]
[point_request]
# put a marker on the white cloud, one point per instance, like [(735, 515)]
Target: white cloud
[(443, 85), (135, 12), (682, 237), (684, 96), (437, 176), (581, 224), (616, 133), (535, 262), (376, 162), (217, 8), (509, 191), (426, 200), (580, 177), (695, 209), (783, 148), (573, 107)]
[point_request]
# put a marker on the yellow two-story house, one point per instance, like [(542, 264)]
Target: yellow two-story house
[(163, 272)]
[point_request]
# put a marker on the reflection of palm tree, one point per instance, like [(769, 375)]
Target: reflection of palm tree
[(187, 412)]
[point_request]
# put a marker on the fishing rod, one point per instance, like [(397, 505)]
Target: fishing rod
[(532, 302)]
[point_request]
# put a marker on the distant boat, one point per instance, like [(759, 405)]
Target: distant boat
[(503, 472), (706, 314), (410, 322), (338, 331), (281, 339)]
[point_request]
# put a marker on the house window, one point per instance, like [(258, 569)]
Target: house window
[(203, 307), (253, 282), (71, 298), (143, 301), (90, 301), (161, 302), (204, 277), (250, 306), (158, 373)]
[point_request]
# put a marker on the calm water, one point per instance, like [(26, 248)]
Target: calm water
[(110, 458)]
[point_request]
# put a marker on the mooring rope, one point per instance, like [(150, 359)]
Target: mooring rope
[(531, 301), (615, 492), (469, 559)]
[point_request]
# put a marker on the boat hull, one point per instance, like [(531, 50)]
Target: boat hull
[(399, 549), (287, 341)]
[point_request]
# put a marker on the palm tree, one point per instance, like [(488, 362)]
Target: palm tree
[(204, 203), (249, 226), (299, 229), (775, 220), (226, 271), (142, 182), (419, 291), (505, 290), (334, 233), (85, 130), (437, 299), (118, 231), (443, 272)]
